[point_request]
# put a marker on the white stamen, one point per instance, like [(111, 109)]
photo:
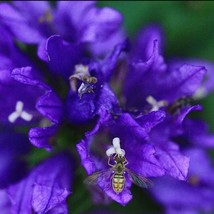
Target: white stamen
[(115, 149), (26, 116), (116, 142), (156, 105), (12, 117), (80, 68), (19, 107), (200, 93), (120, 151), (110, 151), (19, 113), (81, 88)]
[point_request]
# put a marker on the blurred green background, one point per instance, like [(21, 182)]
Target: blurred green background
[(189, 33)]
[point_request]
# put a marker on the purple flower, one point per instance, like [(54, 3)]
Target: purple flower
[(151, 76), (150, 85), (61, 56), (207, 85), (45, 189), (166, 151), (88, 79), (25, 98), (194, 197), (27, 106), (135, 145), (90, 90), (48, 104), (39, 21)]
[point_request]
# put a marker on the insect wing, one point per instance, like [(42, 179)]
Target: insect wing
[(139, 180), (92, 179)]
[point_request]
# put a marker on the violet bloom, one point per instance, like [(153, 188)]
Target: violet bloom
[(90, 90), (151, 76), (45, 189), (76, 22), (88, 79), (150, 85), (25, 99), (135, 146), (207, 85), (194, 196)]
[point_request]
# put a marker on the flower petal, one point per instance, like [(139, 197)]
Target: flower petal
[(143, 48), (186, 110), (196, 131), (28, 76), (68, 17), (52, 178), (40, 137), (99, 24), (184, 82), (109, 63), (4, 202), (150, 120), (172, 160), (63, 60), (146, 157), (86, 160), (45, 199), (146, 78), (50, 106), (18, 25)]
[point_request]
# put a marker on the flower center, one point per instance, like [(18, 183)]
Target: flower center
[(115, 149), (19, 113), (156, 105), (194, 180), (46, 17), (87, 81)]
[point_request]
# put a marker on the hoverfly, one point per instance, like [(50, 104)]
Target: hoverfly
[(118, 177)]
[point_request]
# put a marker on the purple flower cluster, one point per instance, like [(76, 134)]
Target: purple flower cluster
[(83, 73)]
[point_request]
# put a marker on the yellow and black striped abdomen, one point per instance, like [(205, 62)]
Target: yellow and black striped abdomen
[(118, 182)]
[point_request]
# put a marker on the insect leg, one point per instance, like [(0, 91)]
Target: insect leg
[(125, 162)]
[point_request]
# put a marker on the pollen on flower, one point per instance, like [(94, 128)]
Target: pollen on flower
[(156, 105), (19, 113), (115, 149), (88, 82)]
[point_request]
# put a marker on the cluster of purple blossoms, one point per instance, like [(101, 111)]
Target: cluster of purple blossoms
[(82, 72)]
